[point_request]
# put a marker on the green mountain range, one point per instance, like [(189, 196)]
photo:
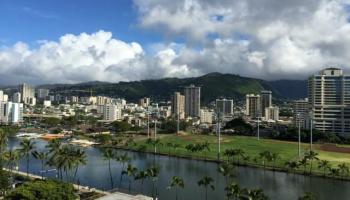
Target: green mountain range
[(213, 85)]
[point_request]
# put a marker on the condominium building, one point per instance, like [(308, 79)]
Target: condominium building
[(144, 102), (1, 95), (266, 101), (42, 93), (272, 113), (192, 101), (224, 107), (102, 100), (16, 98), (11, 113), (112, 112), (27, 93), (253, 106), (206, 116), (301, 112), (329, 101), (178, 105)]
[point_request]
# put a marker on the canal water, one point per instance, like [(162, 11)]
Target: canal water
[(277, 185)]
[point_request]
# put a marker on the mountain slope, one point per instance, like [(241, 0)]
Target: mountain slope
[(213, 85)]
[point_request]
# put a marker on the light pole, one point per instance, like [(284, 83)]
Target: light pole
[(311, 127), (298, 117), (148, 125), (155, 135), (178, 124), (258, 126), (219, 135)]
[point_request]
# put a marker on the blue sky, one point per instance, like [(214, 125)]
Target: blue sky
[(128, 40), (33, 20)]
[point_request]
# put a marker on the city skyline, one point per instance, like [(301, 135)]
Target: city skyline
[(157, 40)]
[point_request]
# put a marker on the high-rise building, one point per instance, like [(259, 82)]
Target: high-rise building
[(224, 107), (272, 113), (206, 116), (16, 98), (11, 113), (253, 106), (27, 92), (192, 101), (144, 102), (1, 95), (42, 93), (112, 112), (329, 101), (266, 101), (5, 97), (300, 112), (178, 105)]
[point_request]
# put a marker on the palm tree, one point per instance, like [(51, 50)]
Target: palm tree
[(79, 159), (274, 158), (205, 147), (334, 172), (206, 182), (11, 157), (176, 182), (324, 164), (123, 159), (169, 145), (227, 171), (239, 153), (153, 173), (292, 166), (303, 162), (229, 153), (233, 190), (256, 194), (343, 170), (308, 196), (108, 154), (311, 156), (265, 156), (130, 172), (42, 156), (54, 147), (27, 146), (142, 175), (175, 146)]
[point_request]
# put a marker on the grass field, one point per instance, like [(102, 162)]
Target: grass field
[(288, 151)]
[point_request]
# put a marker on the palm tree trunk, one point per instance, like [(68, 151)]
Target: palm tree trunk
[(75, 173), (110, 173), (42, 169), (176, 193), (206, 192), (27, 165)]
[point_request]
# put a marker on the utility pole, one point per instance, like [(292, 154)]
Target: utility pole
[(299, 153), (258, 126), (219, 135), (311, 127), (148, 125), (178, 124)]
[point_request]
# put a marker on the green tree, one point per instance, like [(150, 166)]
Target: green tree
[(308, 196), (42, 156), (108, 154), (343, 170), (123, 159), (27, 146), (292, 166), (176, 182), (311, 156), (303, 162), (141, 175), (325, 165), (131, 173), (121, 126), (153, 174), (233, 190), (274, 158), (43, 189), (206, 182)]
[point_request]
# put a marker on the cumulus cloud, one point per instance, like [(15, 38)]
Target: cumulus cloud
[(85, 57), (268, 39)]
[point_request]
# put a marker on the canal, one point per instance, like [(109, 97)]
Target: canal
[(277, 185)]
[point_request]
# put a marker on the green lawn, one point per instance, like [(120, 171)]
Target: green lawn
[(288, 151)]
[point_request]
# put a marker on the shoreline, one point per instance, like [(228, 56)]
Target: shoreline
[(246, 164)]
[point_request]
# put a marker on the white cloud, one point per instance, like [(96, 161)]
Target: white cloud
[(284, 39), (85, 57)]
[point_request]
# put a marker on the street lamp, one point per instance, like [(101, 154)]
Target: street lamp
[(298, 117), (311, 127), (219, 135)]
